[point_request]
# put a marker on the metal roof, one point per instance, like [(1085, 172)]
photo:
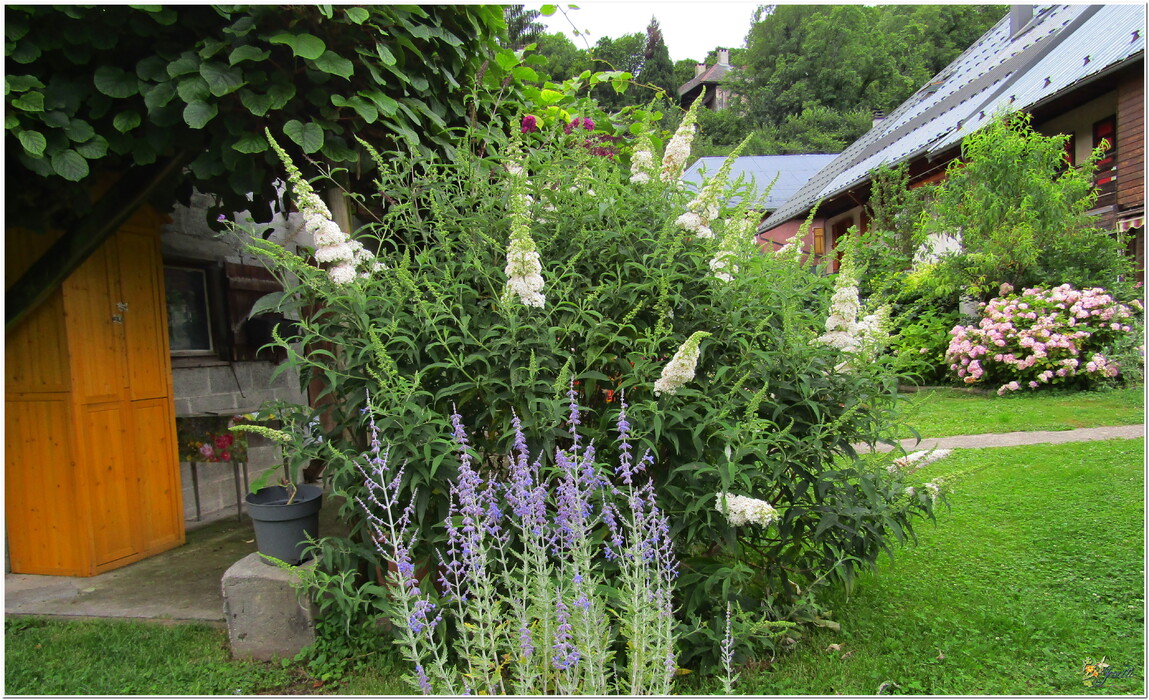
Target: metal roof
[(759, 171), (1060, 47)]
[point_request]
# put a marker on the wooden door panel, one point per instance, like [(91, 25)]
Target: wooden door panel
[(36, 351), (158, 480), (112, 496), (145, 326), (95, 340), (43, 522)]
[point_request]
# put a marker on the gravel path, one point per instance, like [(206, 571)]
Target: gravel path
[(1034, 437)]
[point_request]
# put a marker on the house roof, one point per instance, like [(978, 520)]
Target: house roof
[(713, 74), (1062, 47), (792, 172)]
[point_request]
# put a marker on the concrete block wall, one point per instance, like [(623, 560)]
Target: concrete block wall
[(214, 386)]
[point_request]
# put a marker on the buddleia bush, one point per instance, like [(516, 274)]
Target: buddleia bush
[(571, 255)]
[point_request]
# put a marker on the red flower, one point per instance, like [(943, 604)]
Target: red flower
[(225, 456), (222, 442)]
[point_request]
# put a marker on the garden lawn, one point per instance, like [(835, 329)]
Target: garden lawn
[(113, 657), (1036, 567), (946, 412)]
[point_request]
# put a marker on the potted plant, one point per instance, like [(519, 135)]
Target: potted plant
[(285, 514)]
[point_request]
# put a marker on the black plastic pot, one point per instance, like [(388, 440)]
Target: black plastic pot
[(281, 529)]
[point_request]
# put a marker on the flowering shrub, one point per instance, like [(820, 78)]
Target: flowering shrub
[(1042, 337), (501, 278), (524, 575)]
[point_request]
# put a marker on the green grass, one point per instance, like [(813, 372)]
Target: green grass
[(112, 657), (1036, 566), (946, 412)]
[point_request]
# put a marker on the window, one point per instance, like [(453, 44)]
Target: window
[(189, 311), (1106, 178)]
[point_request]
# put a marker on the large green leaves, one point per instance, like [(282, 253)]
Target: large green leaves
[(309, 136), (302, 45)]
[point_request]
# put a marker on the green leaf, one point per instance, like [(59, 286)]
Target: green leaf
[(247, 53), (221, 79), (197, 114), (11, 121), (33, 142), (268, 302), (126, 121), (280, 94), (193, 89), (187, 63), (525, 74), (548, 10), (385, 104), (302, 45), (159, 96), (358, 15), (30, 102), (385, 54), (333, 63), (115, 82), (256, 103), (365, 109), (25, 52), (308, 136), (94, 149), (21, 83), (251, 143), (153, 69), (70, 165), (79, 130), (507, 59)]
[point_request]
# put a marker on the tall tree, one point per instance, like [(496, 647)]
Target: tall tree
[(626, 53), (851, 57), (657, 68), (522, 29), (564, 59)]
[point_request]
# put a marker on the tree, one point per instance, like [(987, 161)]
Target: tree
[(98, 91), (850, 57), (564, 59), (657, 69), (1022, 217), (522, 29), (626, 53)]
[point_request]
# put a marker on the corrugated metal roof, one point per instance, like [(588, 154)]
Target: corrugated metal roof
[(759, 171), (998, 71)]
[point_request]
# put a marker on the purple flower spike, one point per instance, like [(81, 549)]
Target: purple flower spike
[(530, 124), (424, 682), (587, 124)]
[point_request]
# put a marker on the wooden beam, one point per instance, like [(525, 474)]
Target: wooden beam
[(124, 197)]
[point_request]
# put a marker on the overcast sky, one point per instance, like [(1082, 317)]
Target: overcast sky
[(691, 28)]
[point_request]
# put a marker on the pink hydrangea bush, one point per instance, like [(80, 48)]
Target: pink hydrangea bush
[(1042, 337)]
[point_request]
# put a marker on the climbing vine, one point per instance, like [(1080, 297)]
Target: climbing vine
[(93, 90)]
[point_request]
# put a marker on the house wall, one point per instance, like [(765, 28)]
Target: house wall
[(212, 385), (1079, 124), (1131, 142)]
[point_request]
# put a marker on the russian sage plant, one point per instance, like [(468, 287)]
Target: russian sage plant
[(522, 607)]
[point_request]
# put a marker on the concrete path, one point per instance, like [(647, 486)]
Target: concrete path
[(1013, 439)]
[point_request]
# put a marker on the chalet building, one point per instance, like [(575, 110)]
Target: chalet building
[(711, 79), (1077, 69)]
